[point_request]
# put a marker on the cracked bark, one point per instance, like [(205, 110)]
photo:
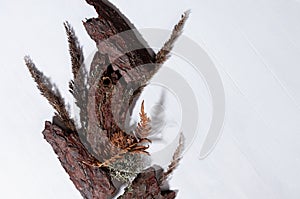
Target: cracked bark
[(95, 183), (91, 182)]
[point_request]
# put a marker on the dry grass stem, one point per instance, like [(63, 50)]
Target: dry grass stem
[(175, 160), (164, 53), (50, 92)]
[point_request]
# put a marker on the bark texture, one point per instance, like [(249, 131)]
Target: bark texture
[(95, 183), (147, 185), (91, 182)]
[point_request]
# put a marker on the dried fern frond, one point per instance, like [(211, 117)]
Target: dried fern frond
[(175, 160), (164, 53), (122, 140), (135, 148), (75, 49), (143, 128), (50, 92)]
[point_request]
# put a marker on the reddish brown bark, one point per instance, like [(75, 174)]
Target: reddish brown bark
[(91, 182), (147, 185), (95, 183)]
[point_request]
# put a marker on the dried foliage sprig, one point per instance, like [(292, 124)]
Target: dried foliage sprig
[(51, 93), (75, 49), (175, 159), (143, 127), (164, 53), (133, 148), (78, 86)]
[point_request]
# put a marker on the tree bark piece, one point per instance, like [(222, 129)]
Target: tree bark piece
[(91, 182), (147, 186), (95, 183)]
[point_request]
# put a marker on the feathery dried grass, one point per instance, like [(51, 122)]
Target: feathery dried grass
[(50, 92), (175, 160), (75, 49), (78, 86), (164, 53)]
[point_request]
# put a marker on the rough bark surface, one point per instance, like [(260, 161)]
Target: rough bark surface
[(147, 185), (129, 63), (90, 181), (124, 63), (95, 183)]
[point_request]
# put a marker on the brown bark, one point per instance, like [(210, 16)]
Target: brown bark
[(147, 185), (124, 64), (92, 182)]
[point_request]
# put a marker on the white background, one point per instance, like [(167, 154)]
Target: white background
[(254, 44)]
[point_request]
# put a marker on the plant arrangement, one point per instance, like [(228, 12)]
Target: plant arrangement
[(99, 151)]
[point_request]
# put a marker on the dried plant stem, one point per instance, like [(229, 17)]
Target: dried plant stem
[(164, 53), (175, 160), (75, 49), (78, 86), (50, 92)]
